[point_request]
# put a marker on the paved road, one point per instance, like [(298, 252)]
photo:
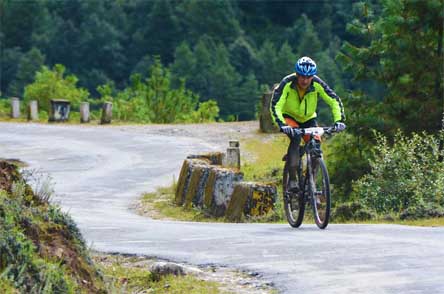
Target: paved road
[(99, 171)]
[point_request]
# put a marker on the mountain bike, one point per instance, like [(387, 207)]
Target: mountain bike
[(314, 183)]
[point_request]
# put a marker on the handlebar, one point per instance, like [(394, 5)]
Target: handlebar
[(317, 130)]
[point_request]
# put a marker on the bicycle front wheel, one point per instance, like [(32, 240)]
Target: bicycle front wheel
[(294, 203), (320, 193)]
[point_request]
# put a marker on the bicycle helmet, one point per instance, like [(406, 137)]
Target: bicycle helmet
[(305, 66)]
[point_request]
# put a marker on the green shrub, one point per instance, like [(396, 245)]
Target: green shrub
[(52, 84), (422, 211), (352, 211), (153, 100), (5, 108), (347, 159), (404, 175)]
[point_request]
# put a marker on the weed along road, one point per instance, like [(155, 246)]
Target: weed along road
[(100, 171)]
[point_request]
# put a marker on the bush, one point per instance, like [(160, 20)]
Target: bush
[(153, 100), (404, 175), (347, 158), (422, 211), (352, 211), (51, 84)]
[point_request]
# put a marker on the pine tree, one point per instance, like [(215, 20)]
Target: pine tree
[(28, 65), (404, 55)]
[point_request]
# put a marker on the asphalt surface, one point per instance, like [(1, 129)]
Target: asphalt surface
[(99, 171)]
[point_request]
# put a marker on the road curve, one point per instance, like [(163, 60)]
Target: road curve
[(99, 171)]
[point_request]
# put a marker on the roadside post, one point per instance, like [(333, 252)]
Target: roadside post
[(15, 107), (33, 110), (107, 113), (59, 111), (233, 155), (84, 112)]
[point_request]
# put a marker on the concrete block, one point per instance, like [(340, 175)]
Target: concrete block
[(107, 113), (84, 112), (59, 111), (215, 158), (33, 110), (196, 186), (251, 199), (15, 107), (219, 188), (232, 158), (185, 178)]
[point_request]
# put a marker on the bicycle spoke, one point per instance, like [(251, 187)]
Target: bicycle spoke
[(293, 203), (321, 195)]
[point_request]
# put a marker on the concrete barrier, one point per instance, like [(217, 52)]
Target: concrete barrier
[(196, 187), (15, 107), (215, 158), (219, 188), (251, 199), (107, 113), (183, 184), (59, 111), (205, 183), (84, 112), (232, 158), (33, 110)]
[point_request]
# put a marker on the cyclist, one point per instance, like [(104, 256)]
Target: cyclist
[(294, 104)]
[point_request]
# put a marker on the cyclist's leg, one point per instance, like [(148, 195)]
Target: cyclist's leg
[(293, 155), (293, 158)]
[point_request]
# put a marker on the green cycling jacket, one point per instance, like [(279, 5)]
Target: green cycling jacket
[(286, 101)]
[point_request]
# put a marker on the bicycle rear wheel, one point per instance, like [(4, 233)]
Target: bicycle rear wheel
[(294, 203), (320, 193)]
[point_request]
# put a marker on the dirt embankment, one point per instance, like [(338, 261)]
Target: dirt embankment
[(41, 247)]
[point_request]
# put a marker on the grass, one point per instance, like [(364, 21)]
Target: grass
[(426, 222), (126, 275), (162, 202), (266, 163)]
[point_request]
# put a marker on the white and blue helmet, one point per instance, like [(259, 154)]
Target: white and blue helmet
[(305, 66)]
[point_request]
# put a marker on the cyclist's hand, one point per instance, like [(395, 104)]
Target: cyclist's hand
[(339, 126), (287, 130)]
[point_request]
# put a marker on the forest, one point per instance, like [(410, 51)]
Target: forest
[(200, 60)]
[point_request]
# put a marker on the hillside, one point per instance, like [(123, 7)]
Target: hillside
[(41, 249)]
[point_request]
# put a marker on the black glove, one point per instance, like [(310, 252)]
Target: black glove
[(287, 130), (340, 126)]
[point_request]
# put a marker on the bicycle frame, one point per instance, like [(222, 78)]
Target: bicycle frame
[(314, 186), (307, 150)]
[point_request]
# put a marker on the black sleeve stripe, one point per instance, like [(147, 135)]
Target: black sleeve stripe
[(331, 93), (277, 93)]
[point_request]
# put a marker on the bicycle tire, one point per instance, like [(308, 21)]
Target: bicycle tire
[(320, 194), (294, 206)]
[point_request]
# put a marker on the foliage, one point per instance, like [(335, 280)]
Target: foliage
[(155, 101), (408, 83), (41, 249), (347, 160), (27, 67), (405, 175), (236, 44), (351, 211), (51, 84)]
